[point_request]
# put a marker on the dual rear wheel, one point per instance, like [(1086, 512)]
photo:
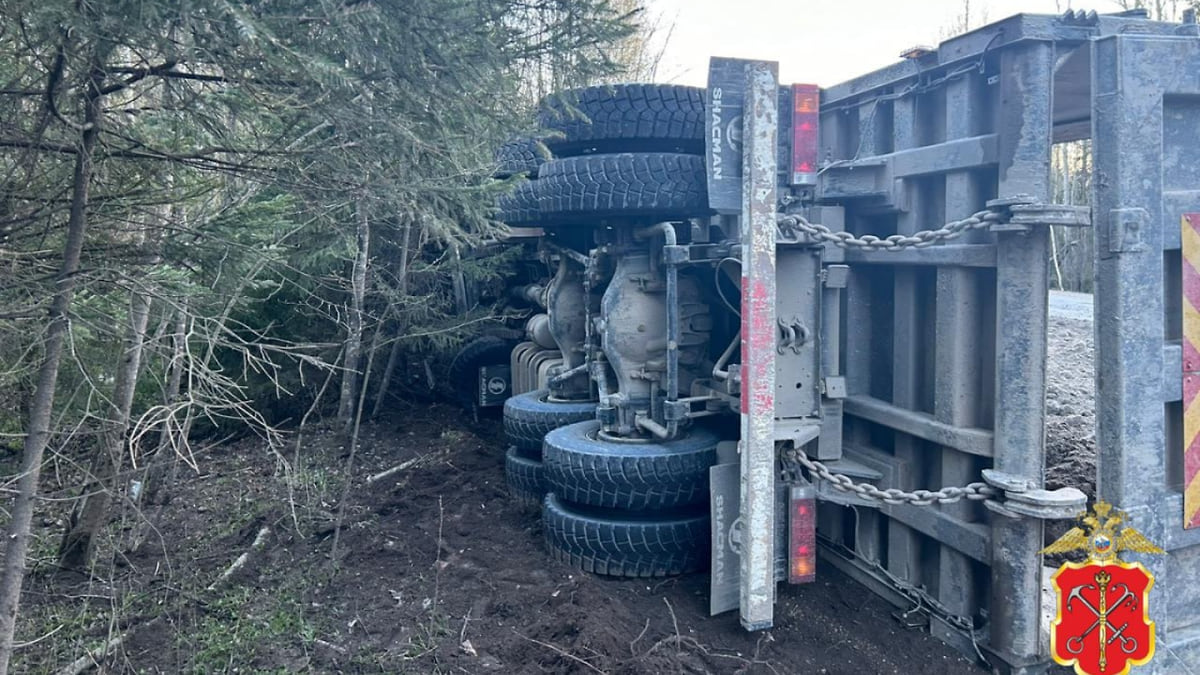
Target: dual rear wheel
[(630, 154)]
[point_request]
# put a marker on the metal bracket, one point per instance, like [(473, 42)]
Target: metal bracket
[(1126, 230), (836, 276), (676, 411), (1023, 213), (676, 254), (1023, 500), (1009, 202), (834, 387), (1051, 214)]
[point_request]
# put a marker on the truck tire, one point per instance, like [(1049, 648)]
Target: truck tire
[(463, 373), (522, 156), (520, 207), (651, 186), (524, 478), (530, 416), (625, 118), (626, 544), (583, 469)]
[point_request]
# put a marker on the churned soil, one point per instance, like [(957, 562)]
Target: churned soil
[(1070, 406), (437, 570)]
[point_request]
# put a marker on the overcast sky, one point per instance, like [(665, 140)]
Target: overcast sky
[(820, 41)]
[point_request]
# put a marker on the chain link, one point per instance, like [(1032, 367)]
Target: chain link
[(923, 601), (842, 482), (790, 226)]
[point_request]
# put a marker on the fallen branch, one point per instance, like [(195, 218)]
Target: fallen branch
[(560, 651), (259, 541), (402, 466), (23, 645), (94, 657)]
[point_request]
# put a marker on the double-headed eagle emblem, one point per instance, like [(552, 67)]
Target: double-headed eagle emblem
[(1102, 535)]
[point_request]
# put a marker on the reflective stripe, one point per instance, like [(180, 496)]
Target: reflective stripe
[(1191, 369)]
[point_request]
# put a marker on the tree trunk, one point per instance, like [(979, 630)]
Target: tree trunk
[(358, 290), (461, 302), (91, 513), (352, 431), (394, 354), (42, 405), (152, 484), (161, 467)]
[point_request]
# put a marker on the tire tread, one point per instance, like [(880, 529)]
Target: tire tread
[(659, 185), (583, 470), (626, 118), (524, 478), (674, 544), (529, 417)]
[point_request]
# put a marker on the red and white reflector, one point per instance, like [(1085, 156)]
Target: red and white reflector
[(806, 102), (802, 534)]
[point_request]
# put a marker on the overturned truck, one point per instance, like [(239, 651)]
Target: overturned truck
[(783, 320)]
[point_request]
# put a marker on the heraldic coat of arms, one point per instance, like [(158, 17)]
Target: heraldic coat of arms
[(1102, 625)]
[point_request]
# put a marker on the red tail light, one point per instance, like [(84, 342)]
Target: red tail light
[(806, 102), (802, 535)]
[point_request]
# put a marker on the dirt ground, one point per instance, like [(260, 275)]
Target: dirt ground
[(1070, 406), (438, 571)]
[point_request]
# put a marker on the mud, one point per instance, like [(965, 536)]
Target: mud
[(437, 570)]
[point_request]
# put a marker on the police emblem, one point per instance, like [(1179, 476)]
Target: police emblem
[(1102, 625)]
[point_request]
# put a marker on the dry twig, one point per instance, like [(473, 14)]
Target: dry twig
[(675, 623), (402, 466), (638, 638), (560, 651)]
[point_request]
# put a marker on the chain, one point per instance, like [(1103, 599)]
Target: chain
[(792, 225), (946, 495)]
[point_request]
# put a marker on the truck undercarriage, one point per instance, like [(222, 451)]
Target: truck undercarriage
[(779, 317)]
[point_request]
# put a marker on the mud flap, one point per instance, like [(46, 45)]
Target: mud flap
[(725, 498), (494, 385)]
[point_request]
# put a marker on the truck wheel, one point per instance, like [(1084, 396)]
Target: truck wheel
[(626, 544), (625, 118), (524, 478), (651, 186), (522, 156), (463, 373), (530, 416), (519, 208), (583, 469)]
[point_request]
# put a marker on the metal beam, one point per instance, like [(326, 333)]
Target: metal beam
[(969, 539), (904, 545), (1021, 313), (759, 134), (964, 255), (958, 345), (921, 425)]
